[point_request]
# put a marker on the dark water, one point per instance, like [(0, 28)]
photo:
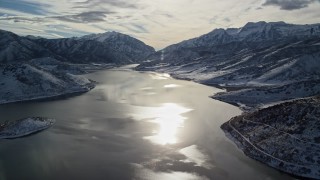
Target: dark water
[(131, 126)]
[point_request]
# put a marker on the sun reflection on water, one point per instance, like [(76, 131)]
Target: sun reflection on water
[(171, 86), (159, 76), (169, 118)]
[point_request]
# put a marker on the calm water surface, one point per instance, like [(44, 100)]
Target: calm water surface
[(131, 126)]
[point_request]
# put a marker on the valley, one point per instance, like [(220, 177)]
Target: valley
[(270, 70)]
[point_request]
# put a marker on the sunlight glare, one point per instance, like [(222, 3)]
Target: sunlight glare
[(169, 119), (160, 76), (171, 86)]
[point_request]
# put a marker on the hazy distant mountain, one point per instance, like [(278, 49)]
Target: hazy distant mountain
[(116, 48), (257, 55)]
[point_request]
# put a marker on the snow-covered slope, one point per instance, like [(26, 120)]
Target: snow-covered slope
[(53, 65), (257, 55), (259, 97), (20, 82)]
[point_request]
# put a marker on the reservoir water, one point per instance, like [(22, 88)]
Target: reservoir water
[(131, 126)]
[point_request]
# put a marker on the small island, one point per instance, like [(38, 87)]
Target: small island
[(24, 127)]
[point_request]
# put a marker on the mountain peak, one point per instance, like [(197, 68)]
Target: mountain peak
[(255, 24), (33, 37), (218, 31), (101, 37), (262, 24)]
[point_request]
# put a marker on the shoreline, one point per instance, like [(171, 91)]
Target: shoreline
[(228, 133), (262, 136), (253, 153), (243, 149)]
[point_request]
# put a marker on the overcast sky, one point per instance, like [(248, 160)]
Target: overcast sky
[(156, 22)]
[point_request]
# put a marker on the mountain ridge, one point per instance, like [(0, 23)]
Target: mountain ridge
[(240, 34), (77, 50), (246, 62)]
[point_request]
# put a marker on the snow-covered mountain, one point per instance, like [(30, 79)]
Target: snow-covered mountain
[(257, 55), (35, 68), (110, 47), (122, 43), (116, 48)]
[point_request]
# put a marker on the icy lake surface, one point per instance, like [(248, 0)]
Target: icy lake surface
[(131, 126)]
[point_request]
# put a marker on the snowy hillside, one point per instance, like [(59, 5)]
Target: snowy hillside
[(257, 55), (285, 136), (259, 97), (53, 65), (21, 82)]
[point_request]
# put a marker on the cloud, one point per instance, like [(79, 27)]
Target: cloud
[(168, 15), (97, 3), (139, 28), (133, 27), (123, 17), (227, 19), (220, 21), (17, 19), (85, 17), (25, 6), (289, 4)]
